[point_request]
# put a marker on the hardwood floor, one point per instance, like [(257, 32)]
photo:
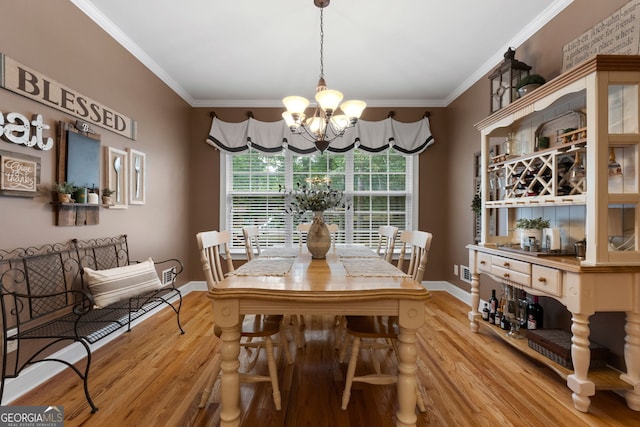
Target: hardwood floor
[(153, 376)]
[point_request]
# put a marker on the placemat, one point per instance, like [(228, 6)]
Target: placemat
[(355, 251), (264, 267), (371, 267), (277, 252)]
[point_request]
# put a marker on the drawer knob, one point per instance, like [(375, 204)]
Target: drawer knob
[(482, 262), (542, 279), (506, 264), (505, 275)]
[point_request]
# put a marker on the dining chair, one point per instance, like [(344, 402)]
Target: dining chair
[(368, 331), (333, 230), (253, 249), (251, 236), (303, 230), (257, 330), (387, 241)]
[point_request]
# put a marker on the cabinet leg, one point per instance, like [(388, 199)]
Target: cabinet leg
[(632, 359), (474, 314), (581, 355)]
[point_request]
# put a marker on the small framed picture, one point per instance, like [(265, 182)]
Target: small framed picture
[(19, 174), (117, 167), (137, 172)]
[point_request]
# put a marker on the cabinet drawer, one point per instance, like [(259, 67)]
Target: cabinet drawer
[(511, 264), (484, 262), (511, 275), (548, 280)]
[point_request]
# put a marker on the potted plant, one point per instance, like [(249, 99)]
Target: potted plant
[(529, 83), (106, 196), (476, 204), (64, 190), (531, 228)]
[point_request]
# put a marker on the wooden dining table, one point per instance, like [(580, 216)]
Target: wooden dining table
[(337, 285)]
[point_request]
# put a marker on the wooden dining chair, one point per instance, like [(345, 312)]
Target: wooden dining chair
[(333, 231), (253, 249), (303, 230), (252, 246), (369, 331), (256, 330), (387, 241)]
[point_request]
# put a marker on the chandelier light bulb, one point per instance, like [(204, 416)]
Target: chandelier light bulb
[(296, 104), (353, 108), (329, 99)]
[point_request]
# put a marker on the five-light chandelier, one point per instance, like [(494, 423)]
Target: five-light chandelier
[(325, 125)]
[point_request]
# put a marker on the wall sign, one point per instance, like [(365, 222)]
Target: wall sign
[(19, 174), (618, 34), (31, 84), (17, 129)]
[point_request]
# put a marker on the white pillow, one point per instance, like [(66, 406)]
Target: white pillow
[(116, 284)]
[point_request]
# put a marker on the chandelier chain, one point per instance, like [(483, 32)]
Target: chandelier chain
[(321, 43)]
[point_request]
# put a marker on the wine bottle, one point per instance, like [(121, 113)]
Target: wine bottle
[(493, 306), (534, 314), (485, 312)]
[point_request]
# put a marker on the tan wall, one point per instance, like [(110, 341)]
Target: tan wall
[(57, 40), (204, 161)]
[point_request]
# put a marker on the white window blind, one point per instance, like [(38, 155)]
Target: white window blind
[(378, 186)]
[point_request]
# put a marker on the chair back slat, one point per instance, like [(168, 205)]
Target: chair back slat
[(212, 245), (417, 243), (251, 236), (387, 241)]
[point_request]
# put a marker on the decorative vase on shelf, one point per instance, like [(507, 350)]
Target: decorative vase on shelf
[(318, 238)]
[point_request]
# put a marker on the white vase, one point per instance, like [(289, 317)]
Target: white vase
[(318, 237), (527, 233)]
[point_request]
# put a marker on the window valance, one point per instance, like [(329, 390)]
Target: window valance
[(273, 137)]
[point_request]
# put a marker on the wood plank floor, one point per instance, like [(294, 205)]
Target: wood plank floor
[(153, 376)]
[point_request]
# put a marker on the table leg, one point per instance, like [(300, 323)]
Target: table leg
[(581, 356), (410, 319), (407, 369), (632, 359), (227, 317)]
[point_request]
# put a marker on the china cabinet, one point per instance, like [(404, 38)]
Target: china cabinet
[(569, 152)]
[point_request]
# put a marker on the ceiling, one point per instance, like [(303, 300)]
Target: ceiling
[(250, 53)]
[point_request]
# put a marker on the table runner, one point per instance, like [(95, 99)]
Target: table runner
[(264, 267), (370, 267)]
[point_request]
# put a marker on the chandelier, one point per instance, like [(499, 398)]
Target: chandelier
[(325, 125)]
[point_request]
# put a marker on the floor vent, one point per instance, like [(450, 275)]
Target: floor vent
[(465, 273)]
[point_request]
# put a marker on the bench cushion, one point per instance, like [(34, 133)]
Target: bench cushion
[(116, 284)]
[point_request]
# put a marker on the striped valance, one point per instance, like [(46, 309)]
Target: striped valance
[(273, 137)]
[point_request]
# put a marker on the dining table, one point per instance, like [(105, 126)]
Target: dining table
[(349, 281)]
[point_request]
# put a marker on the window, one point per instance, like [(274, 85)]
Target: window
[(379, 188)]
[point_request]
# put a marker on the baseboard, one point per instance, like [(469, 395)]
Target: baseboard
[(39, 373)]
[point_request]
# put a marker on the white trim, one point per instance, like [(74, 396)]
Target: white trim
[(39, 373)]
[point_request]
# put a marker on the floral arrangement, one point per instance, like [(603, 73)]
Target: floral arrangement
[(314, 195)]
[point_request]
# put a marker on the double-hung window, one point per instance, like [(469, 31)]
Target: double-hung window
[(379, 187)]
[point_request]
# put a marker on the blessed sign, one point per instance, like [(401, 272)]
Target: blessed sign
[(18, 173), (27, 82), (618, 34)]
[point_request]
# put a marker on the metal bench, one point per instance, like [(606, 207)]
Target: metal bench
[(46, 302)]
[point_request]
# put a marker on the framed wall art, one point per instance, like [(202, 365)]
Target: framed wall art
[(117, 176), (137, 172), (19, 174)]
